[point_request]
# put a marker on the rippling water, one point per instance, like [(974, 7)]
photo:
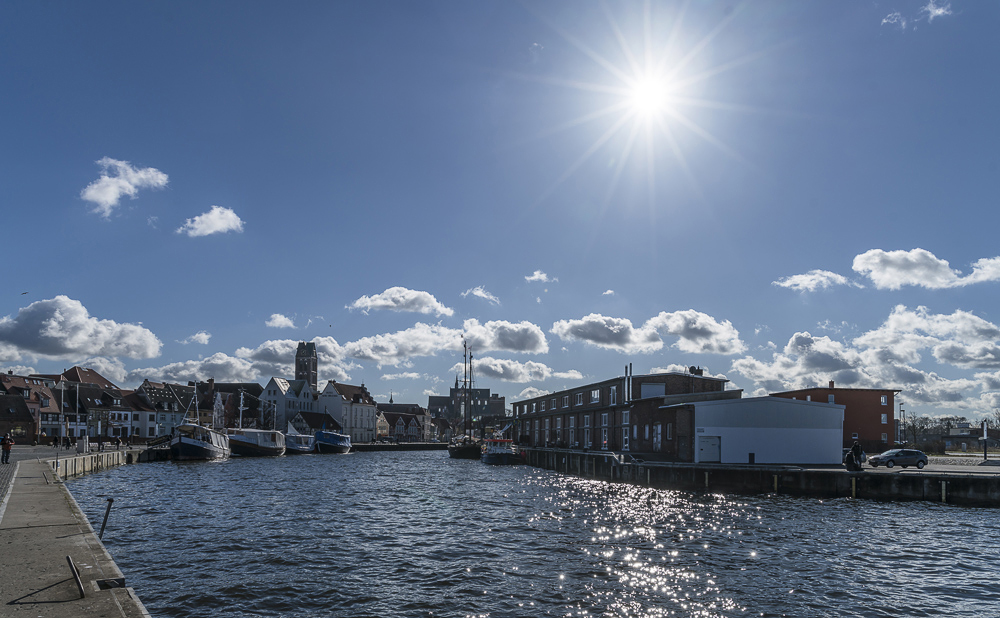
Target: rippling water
[(419, 534)]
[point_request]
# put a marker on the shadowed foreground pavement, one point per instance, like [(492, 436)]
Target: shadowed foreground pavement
[(40, 525)]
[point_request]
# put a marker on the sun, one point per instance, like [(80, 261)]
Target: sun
[(649, 96)]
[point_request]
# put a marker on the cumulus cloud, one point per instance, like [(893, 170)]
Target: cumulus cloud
[(540, 276), (813, 280), (609, 333), (111, 368), (530, 393), (221, 367), (398, 348), (19, 370), (514, 371), (277, 358), (218, 220), (886, 357), (697, 332), (481, 292), (406, 375), (402, 299), (279, 321), (608, 293), (201, 337), (506, 336), (919, 267), (62, 328), (119, 178)]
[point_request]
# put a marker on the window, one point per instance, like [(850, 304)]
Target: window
[(885, 438), (613, 395), (604, 419), (657, 436), (624, 417), (546, 431), (670, 431), (552, 404), (885, 400), (579, 399), (647, 432), (541, 407), (595, 396), (885, 419), (624, 438), (809, 397), (635, 432), (829, 398), (854, 436), (572, 431), (565, 402), (533, 408)]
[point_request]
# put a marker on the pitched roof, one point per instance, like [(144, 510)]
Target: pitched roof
[(13, 409), (393, 419), (38, 391), (85, 375), (357, 394), (318, 421)]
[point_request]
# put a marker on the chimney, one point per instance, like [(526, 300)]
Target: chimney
[(831, 383)]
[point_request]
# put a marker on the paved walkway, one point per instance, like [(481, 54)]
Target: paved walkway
[(40, 525)]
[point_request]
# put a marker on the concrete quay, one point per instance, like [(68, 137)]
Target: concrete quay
[(42, 530), (952, 484)]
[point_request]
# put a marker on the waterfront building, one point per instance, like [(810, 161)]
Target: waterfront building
[(868, 413), (170, 403), (143, 417), (596, 416), (309, 423), (212, 394), (353, 406), (287, 398), (307, 364), (402, 427), (424, 425), (16, 419), (452, 406), (38, 398)]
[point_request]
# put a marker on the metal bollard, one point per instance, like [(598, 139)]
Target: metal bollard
[(105, 522)]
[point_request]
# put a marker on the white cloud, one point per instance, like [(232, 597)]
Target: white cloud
[(201, 337), (506, 336), (895, 19), (218, 220), (107, 190), (277, 358), (407, 375), (698, 333), (481, 292), (608, 293), (515, 371), (279, 321), (540, 276), (221, 367), (62, 328), (608, 333), (530, 393), (919, 267), (813, 280), (933, 10), (19, 370), (398, 348), (402, 299), (111, 368)]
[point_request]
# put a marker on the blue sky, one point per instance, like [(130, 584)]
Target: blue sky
[(782, 193)]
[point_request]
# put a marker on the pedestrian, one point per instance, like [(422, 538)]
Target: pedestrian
[(6, 443)]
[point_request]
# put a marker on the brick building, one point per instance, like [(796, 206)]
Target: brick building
[(868, 413), (598, 416)]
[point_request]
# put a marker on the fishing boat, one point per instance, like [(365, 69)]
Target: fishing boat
[(332, 442), (257, 442), (298, 443), (193, 442), (500, 452), (465, 447)]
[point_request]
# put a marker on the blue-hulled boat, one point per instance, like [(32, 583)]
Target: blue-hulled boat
[(332, 442), (298, 443), (500, 452)]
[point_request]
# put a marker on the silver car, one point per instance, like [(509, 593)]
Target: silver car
[(904, 457)]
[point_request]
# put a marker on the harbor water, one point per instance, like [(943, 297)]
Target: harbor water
[(419, 534)]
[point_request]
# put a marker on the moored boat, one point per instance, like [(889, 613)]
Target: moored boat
[(332, 442), (193, 442), (465, 448), (500, 452), (256, 442)]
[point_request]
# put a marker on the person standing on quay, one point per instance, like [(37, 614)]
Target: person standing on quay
[(7, 442)]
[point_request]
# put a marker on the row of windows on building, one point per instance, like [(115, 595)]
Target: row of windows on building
[(578, 399), (549, 431)]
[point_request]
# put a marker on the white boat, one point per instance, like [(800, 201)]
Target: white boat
[(296, 442), (257, 442)]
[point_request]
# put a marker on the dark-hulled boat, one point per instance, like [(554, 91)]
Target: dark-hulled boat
[(332, 442), (193, 442), (256, 442)]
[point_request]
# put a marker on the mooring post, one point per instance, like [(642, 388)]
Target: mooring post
[(775, 483), (944, 491), (854, 487), (105, 522), (706, 479)]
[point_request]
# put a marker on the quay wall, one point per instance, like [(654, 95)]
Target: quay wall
[(79, 465), (961, 489)]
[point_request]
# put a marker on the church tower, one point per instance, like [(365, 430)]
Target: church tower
[(306, 364)]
